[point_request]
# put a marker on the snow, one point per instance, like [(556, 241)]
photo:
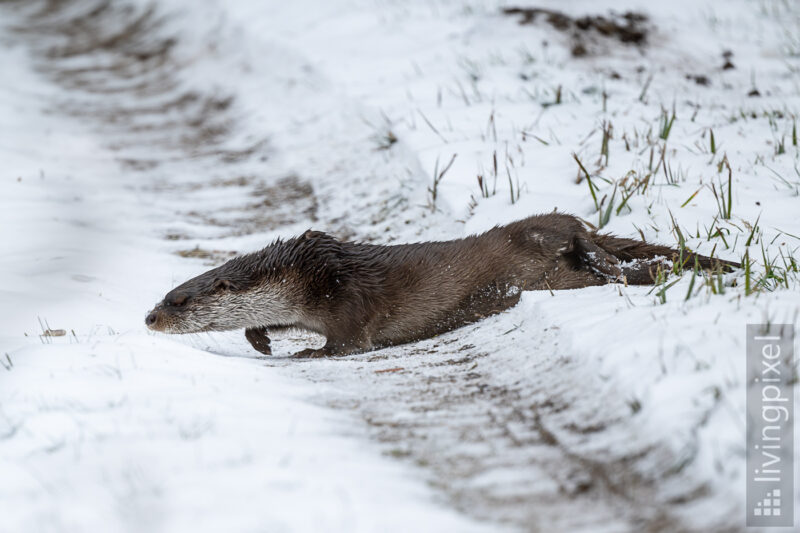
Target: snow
[(593, 409), (136, 433)]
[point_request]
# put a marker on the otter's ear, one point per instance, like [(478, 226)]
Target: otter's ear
[(224, 285), (312, 234)]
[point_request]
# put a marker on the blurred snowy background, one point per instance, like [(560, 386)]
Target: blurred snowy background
[(142, 142)]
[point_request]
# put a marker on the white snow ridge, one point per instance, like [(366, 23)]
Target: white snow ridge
[(144, 141)]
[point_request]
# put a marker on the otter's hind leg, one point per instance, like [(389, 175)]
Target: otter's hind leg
[(644, 271), (597, 258), (311, 353), (584, 264), (330, 349)]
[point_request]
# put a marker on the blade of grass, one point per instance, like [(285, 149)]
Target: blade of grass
[(588, 180)]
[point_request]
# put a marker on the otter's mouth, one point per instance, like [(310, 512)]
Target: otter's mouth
[(167, 319), (163, 321), (157, 320)]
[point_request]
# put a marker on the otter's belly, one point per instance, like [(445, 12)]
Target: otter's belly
[(428, 318)]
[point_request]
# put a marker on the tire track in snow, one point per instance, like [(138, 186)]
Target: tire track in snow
[(540, 443), (122, 72)]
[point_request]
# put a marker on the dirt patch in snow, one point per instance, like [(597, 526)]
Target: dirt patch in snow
[(209, 257), (289, 200), (126, 75), (120, 63), (630, 28)]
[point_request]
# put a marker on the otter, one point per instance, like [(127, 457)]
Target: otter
[(366, 296)]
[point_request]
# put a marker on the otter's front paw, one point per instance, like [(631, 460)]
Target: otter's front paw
[(258, 339)]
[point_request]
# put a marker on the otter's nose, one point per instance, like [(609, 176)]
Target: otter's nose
[(151, 318)]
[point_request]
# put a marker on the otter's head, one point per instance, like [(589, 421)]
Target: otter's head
[(278, 286), (233, 296)]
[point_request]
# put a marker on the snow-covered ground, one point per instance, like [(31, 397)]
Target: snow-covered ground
[(142, 142)]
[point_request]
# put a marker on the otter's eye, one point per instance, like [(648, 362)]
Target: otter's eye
[(176, 300), (223, 285)]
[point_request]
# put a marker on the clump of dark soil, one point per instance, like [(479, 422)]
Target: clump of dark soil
[(629, 28), (727, 55), (699, 79)]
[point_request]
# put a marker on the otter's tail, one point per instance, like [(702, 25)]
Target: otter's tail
[(645, 258)]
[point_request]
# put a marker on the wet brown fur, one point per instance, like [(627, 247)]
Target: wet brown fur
[(365, 296)]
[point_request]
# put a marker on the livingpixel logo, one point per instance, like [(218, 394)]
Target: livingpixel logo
[(770, 505), (770, 425)]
